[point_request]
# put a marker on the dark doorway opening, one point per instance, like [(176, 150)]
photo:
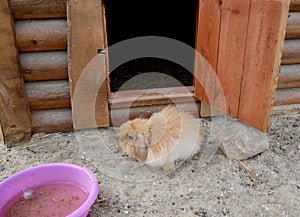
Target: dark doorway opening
[(135, 18)]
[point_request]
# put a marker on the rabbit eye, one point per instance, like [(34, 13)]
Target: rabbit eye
[(130, 137)]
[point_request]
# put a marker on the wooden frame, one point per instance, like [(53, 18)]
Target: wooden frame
[(14, 110), (87, 67)]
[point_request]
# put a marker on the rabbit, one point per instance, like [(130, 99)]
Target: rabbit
[(167, 136)]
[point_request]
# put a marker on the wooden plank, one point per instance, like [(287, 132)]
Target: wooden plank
[(295, 5), (159, 96), (52, 120), (207, 110), (293, 25), (207, 45), (41, 35), (38, 9), (289, 76), (48, 94), (120, 115), (87, 73), (233, 35), (14, 109), (287, 96), (291, 51), (55, 94), (266, 31), (106, 49), (44, 66)]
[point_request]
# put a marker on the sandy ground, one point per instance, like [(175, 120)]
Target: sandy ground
[(220, 188)]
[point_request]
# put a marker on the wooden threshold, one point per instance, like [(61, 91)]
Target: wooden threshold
[(147, 97)]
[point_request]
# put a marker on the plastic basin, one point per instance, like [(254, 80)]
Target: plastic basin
[(52, 173)]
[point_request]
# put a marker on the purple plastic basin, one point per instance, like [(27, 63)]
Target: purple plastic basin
[(52, 173)]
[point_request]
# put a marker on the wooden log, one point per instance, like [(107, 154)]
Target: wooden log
[(147, 97), (289, 76), (48, 94), (38, 9), (295, 5), (52, 120), (120, 115), (44, 66), (41, 35), (60, 119), (14, 109), (287, 96), (291, 52), (87, 71), (293, 26)]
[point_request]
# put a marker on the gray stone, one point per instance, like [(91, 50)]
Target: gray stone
[(241, 141)]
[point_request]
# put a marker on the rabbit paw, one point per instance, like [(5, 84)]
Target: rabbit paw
[(169, 169)]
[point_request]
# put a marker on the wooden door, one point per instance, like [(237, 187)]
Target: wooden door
[(242, 41)]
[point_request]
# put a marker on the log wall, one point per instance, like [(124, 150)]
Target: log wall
[(288, 88), (38, 9), (41, 36), (41, 31)]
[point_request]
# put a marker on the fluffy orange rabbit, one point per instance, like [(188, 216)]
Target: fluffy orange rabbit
[(159, 141)]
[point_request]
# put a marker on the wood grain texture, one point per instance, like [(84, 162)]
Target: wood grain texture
[(289, 76), (293, 25), (266, 31), (41, 35), (295, 5), (287, 96), (38, 9), (291, 51), (105, 39), (207, 110), (232, 45), (48, 94), (120, 115), (207, 45), (249, 53), (147, 97), (52, 120), (14, 110), (44, 66), (87, 71)]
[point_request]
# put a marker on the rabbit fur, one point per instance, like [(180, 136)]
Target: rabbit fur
[(165, 137)]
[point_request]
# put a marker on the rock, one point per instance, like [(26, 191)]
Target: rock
[(241, 141)]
